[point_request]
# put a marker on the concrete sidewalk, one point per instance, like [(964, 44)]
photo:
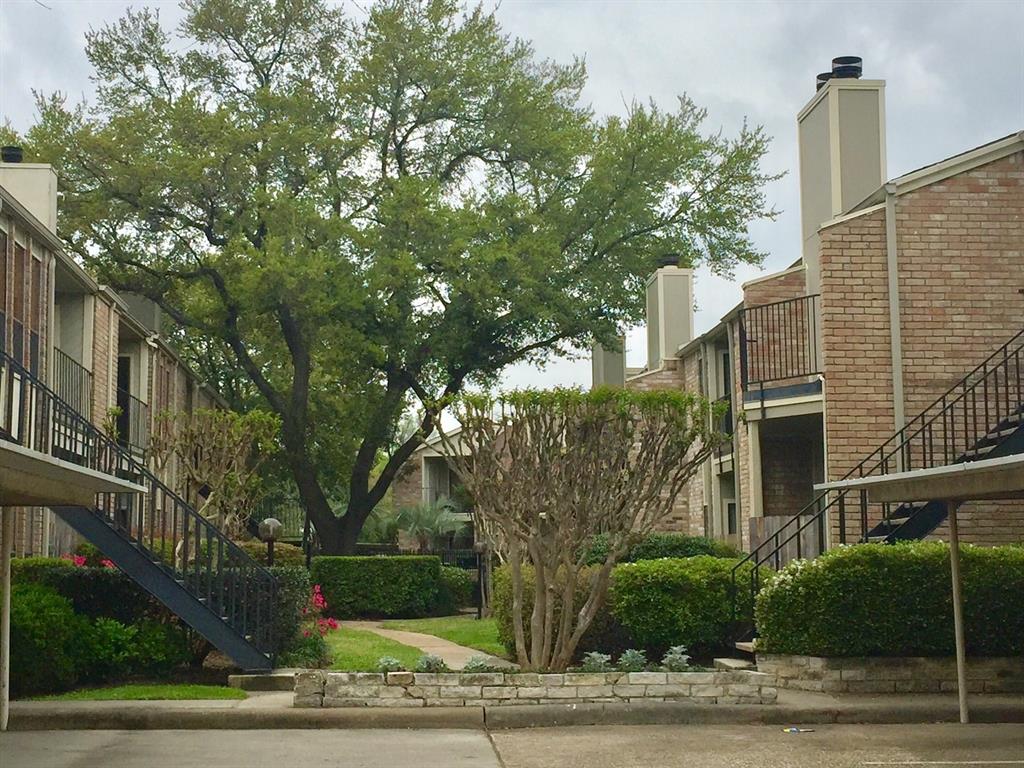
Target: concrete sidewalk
[(454, 655), (274, 710)]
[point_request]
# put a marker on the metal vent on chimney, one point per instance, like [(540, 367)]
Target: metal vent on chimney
[(843, 67), (11, 154)]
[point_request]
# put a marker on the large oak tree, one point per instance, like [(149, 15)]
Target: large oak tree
[(358, 216)]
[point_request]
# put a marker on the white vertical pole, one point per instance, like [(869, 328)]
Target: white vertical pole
[(958, 613), (6, 545)]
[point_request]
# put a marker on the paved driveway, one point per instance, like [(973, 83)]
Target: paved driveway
[(836, 746)]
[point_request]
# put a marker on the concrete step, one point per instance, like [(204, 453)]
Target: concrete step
[(747, 646), (730, 665), (276, 680)]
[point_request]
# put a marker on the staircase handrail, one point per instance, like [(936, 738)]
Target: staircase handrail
[(965, 385), (109, 448)]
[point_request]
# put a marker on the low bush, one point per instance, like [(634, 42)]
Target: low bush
[(45, 639), (688, 601), (455, 590), (96, 592), (894, 600), (605, 634), (655, 546), (293, 587), (284, 554), (378, 587)]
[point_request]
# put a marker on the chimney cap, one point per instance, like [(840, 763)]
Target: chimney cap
[(668, 260), (11, 154), (847, 66), (821, 79)]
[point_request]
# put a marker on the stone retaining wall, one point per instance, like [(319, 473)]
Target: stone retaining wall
[(316, 688), (911, 674)]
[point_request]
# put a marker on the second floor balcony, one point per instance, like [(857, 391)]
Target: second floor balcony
[(779, 345), (72, 382), (132, 422)]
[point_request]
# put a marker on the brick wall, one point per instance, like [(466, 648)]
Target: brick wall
[(407, 488), (791, 451), (785, 285), (960, 249)]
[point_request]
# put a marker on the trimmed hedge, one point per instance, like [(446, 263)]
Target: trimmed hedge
[(284, 554), (96, 592), (45, 640), (456, 590), (652, 605), (293, 590), (894, 600), (686, 601), (655, 546), (406, 586), (605, 634)]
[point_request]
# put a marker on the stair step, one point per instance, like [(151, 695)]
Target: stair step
[(277, 680), (879, 539), (747, 646), (727, 664)]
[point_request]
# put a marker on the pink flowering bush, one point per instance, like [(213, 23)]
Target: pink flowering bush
[(79, 561), (309, 649), (313, 615)]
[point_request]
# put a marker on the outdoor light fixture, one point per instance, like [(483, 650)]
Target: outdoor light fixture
[(270, 529)]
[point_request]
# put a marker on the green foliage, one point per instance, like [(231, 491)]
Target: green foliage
[(352, 215), (284, 554), (631, 660), (105, 650), (381, 527), (430, 523), (307, 652), (428, 662), (894, 600), (480, 664), (456, 589), (45, 635), (605, 633), (676, 659), (92, 554), (95, 592), (159, 648), (389, 664), (671, 602), (596, 662), (388, 587), (293, 587), (658, 545)]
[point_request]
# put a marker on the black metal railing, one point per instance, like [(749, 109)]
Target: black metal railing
[(132, 421), (72, 382), (779, 342), (176, 537), (957, 427)]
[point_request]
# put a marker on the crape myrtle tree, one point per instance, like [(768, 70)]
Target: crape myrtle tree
[(362, 215), (549, 470)]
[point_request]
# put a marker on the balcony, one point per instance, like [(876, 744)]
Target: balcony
[(72, 383), (49, 453), (780, 348)]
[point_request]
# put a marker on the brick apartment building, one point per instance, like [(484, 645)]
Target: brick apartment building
[(903, 287), (96, 349)]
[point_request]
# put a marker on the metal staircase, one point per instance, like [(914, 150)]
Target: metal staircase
[(981, 416), (154, 536)]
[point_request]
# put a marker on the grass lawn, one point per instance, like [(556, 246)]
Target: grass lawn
[(469, 631), (356, 650), (146, 692)]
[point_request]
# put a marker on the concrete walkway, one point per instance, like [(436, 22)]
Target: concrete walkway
[(455, 656)]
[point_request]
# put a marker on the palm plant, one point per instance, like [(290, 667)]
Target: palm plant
[(430, 522)]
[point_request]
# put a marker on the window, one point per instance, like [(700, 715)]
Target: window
[(731, 521)]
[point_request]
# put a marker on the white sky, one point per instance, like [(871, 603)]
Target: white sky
[(954, 72)]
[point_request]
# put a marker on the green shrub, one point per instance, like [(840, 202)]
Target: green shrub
[(655, 546), (378, 587), (632, 660), (894, 600), (308, 652), (105, 650), (428, 662), (96, 592), (455, 591), (45, 635), (686, 601), (284, 554), (604, 634), (93, 556), (293, 587), (159, 647)]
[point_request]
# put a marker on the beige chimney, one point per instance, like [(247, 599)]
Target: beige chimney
[(669, 313), (842, 151), (608, 365), (34, 185)]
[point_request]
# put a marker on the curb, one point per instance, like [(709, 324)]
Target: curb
[(71, 717)]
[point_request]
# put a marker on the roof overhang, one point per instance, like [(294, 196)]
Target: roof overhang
[(999, 478), (29, 478)]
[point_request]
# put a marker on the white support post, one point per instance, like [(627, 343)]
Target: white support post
[(958, 612), (6, 545)]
